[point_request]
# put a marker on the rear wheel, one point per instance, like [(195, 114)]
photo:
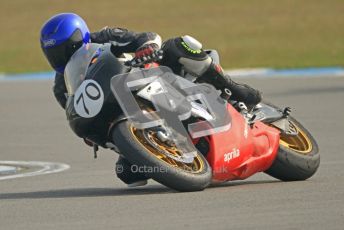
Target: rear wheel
[(157, 159), (298, 157)]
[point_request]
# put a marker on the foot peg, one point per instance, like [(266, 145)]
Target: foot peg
[(286, 111), (226, 94)]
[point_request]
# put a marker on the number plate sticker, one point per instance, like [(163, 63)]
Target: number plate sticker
[(88, 99)]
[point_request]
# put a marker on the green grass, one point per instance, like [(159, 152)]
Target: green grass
[(247, 33)]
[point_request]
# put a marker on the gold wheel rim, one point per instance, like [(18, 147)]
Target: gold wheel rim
[(300, 143), (195, 167)]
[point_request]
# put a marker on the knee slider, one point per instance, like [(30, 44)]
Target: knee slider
[(191, 44)]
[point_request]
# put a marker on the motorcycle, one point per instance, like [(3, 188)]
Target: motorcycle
[(183, 135)]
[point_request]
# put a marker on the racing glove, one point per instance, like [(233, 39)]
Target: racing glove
[(146, 54)]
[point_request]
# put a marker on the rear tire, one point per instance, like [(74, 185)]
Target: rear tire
[(136, 152), (294, 162)]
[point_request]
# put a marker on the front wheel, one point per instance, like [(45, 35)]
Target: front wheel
[(298, 157), (145, 151)]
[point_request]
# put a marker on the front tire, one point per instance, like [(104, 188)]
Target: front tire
[(139, 151), (298, 157)]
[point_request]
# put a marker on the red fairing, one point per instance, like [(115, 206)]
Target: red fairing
[(242, 151)]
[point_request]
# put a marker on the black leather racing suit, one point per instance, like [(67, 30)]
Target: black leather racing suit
[(123, 41)]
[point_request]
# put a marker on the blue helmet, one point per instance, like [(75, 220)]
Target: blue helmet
[(61, 36)]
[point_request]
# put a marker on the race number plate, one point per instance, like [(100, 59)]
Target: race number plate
[(88, 99)]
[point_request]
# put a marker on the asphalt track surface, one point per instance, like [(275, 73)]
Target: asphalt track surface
[(89, 196)]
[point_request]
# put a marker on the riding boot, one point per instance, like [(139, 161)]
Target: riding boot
[(215, 76), (124, 171)]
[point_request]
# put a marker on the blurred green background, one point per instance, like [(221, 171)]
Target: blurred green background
[(247, 33)]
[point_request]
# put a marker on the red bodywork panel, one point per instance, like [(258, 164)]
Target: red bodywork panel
[(242, 151)]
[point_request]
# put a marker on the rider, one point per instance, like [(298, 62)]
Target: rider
[(65, 33)]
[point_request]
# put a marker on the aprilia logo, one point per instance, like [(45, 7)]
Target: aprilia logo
[(231, 155)]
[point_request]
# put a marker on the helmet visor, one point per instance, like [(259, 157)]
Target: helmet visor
[(59, 55)]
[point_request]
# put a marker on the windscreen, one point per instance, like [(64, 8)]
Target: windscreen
[(77, 66), (174, 99)]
